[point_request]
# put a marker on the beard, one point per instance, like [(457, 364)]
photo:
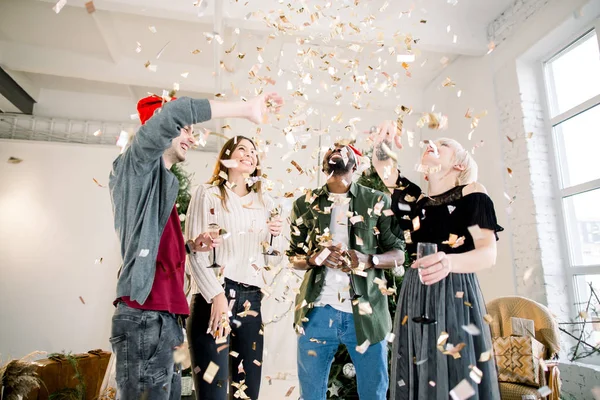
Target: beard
[(337, 166)]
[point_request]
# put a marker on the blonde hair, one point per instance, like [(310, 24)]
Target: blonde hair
[(462, 157), (225, 154)]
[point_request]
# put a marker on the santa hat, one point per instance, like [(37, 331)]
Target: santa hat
[(147, 106), (357, 153), (362, 163)]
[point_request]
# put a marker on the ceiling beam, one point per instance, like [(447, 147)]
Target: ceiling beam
[(128, 71), (106, 28), (15, 93)]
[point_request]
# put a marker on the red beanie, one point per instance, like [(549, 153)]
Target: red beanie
[(148, 105)]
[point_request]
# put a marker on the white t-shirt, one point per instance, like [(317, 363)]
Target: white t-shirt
[(336, 289)]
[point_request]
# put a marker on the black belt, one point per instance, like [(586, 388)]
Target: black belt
[(248, 288)]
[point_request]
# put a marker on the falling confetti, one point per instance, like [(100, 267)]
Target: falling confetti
[(98, 183), (14, 160), (58, 6), (89, 6), (211, 372), (81, 299)]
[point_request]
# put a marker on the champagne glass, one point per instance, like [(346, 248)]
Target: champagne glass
[(214, 230), (425, 249), (270, 251)]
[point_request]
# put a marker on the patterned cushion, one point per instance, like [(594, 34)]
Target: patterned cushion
[(518, 359)]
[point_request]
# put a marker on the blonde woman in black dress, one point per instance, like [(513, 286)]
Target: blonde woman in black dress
[(441, 309)]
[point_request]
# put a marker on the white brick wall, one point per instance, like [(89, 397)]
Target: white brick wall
[(515, 15), (539, 252)]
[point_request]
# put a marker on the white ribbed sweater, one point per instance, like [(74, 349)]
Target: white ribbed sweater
[(246, 226)]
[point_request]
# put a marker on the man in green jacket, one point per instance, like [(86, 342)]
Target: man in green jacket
[(340, 234)]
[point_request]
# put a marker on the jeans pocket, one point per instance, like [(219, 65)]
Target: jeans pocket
[(119, 347), (160, 376), (152, 336)]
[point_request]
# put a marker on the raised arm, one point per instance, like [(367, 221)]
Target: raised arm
[(387, 135), (154, 137)]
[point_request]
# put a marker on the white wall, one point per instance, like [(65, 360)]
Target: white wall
[(54, 223), (473, 78)]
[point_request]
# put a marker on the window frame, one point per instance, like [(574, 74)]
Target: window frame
[(572, 271)]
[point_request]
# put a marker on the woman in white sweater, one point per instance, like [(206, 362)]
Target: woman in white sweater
[(233, 199)]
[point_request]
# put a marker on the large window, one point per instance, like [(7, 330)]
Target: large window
[(573, 89)]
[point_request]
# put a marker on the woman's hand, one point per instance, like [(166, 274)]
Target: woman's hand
[(204, 242), (260, 107), (218, 324), (388, 131), (275, 225), (433, 268)]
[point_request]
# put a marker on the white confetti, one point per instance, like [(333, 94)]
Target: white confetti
[(363, 347), (472, 330), (144, 253), (462, 391), (58, 6)]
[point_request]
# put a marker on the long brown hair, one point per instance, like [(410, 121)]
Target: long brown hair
[(225, 154)]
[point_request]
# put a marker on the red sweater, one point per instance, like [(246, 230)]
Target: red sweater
[(167, 290)]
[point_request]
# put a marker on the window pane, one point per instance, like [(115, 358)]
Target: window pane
[(574, 75), (583, 292), (577, 144), (582, 214)]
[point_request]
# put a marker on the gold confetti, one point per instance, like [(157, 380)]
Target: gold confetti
[(290, 390), (152, 29), (312, 353), (488, 318), (448, 83), (454, 241), (89, 6), (81, 299), (196, 51), (405, 320), (14, 160), (510, 171), (98, 183)]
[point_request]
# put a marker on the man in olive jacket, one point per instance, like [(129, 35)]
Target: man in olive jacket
[(340, 234)]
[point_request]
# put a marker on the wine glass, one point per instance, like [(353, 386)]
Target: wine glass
[(270, 251), (214, 230), (425, 249)]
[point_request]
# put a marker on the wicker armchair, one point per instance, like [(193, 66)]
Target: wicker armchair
[(546, 332)]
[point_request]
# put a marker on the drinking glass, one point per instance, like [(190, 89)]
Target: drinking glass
[(425, 249)]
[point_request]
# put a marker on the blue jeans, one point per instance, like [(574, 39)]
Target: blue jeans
[(331, 327), (143, 343)]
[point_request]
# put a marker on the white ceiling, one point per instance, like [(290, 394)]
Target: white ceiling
[(74, 51)]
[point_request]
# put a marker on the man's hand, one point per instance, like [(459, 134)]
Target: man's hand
[(204, 242), (260, 106), (275, 225), (218, 324), (356, 258), (331, 257)]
